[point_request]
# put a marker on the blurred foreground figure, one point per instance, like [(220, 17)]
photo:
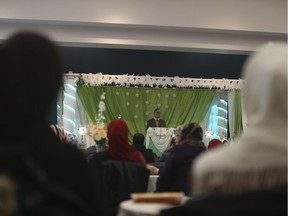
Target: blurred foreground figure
[(45, 176), (258, 159), (250, 176)]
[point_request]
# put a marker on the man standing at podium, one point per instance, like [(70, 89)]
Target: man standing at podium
[(156, 121)]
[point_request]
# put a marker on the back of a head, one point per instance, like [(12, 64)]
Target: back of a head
[(214, 143), (117, 134), (192, 134), (265, 89), (138, 138), (32, 69), (192, 131)]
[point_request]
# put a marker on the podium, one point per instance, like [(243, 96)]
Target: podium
[(158, 139)]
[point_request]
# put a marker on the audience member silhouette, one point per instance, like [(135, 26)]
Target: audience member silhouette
[(139, 145), (118, 146), (258, 159), (214, 143), (174, 176), (118, 171), (52, 176)]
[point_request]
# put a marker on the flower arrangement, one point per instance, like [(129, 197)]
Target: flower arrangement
[(98, 131)]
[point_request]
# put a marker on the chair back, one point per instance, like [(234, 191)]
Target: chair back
[(116, 180)]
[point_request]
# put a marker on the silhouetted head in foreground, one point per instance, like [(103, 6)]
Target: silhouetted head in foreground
[(31, 72)]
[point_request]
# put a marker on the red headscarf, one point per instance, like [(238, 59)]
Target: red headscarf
[(119, 147), (214, 143)]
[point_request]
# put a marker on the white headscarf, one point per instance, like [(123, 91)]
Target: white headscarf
[(264, 145)]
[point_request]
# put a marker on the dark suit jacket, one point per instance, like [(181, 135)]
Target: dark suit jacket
[(152, 123)]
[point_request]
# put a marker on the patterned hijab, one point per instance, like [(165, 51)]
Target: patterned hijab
[(119, 147)]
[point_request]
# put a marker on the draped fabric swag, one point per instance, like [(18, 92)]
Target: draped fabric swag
[(235, 113), (238, 113), (135, 105)]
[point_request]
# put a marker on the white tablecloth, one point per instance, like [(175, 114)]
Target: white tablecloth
[(130, 208), (152, 183)]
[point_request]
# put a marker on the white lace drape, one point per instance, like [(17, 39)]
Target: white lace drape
[(160, 137)]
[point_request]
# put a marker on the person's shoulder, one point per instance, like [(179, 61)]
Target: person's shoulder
[(99, 157), (149, 150), (102, 154), (184, 150), (162, 122), (220, 158)]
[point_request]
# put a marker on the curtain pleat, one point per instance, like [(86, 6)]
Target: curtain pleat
[(135, 105)]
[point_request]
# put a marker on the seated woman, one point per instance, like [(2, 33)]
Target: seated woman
[(138, 144), (118, 146), (174, 176)]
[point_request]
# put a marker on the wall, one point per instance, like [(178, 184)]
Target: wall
[(218, 26), (195, 38)]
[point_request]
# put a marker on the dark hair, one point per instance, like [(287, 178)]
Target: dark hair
[(138, 138), (192, 131), (32, 65), (156, 109), (172, 142)]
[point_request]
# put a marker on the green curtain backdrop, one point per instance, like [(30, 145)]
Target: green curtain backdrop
[(238, 113), (135, 105)]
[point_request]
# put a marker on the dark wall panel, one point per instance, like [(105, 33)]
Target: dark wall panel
[(154, 63)]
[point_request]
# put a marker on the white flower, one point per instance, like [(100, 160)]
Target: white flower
[(98, 132), (82, 131), (209, 134), (103, 96), (101, 108)]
